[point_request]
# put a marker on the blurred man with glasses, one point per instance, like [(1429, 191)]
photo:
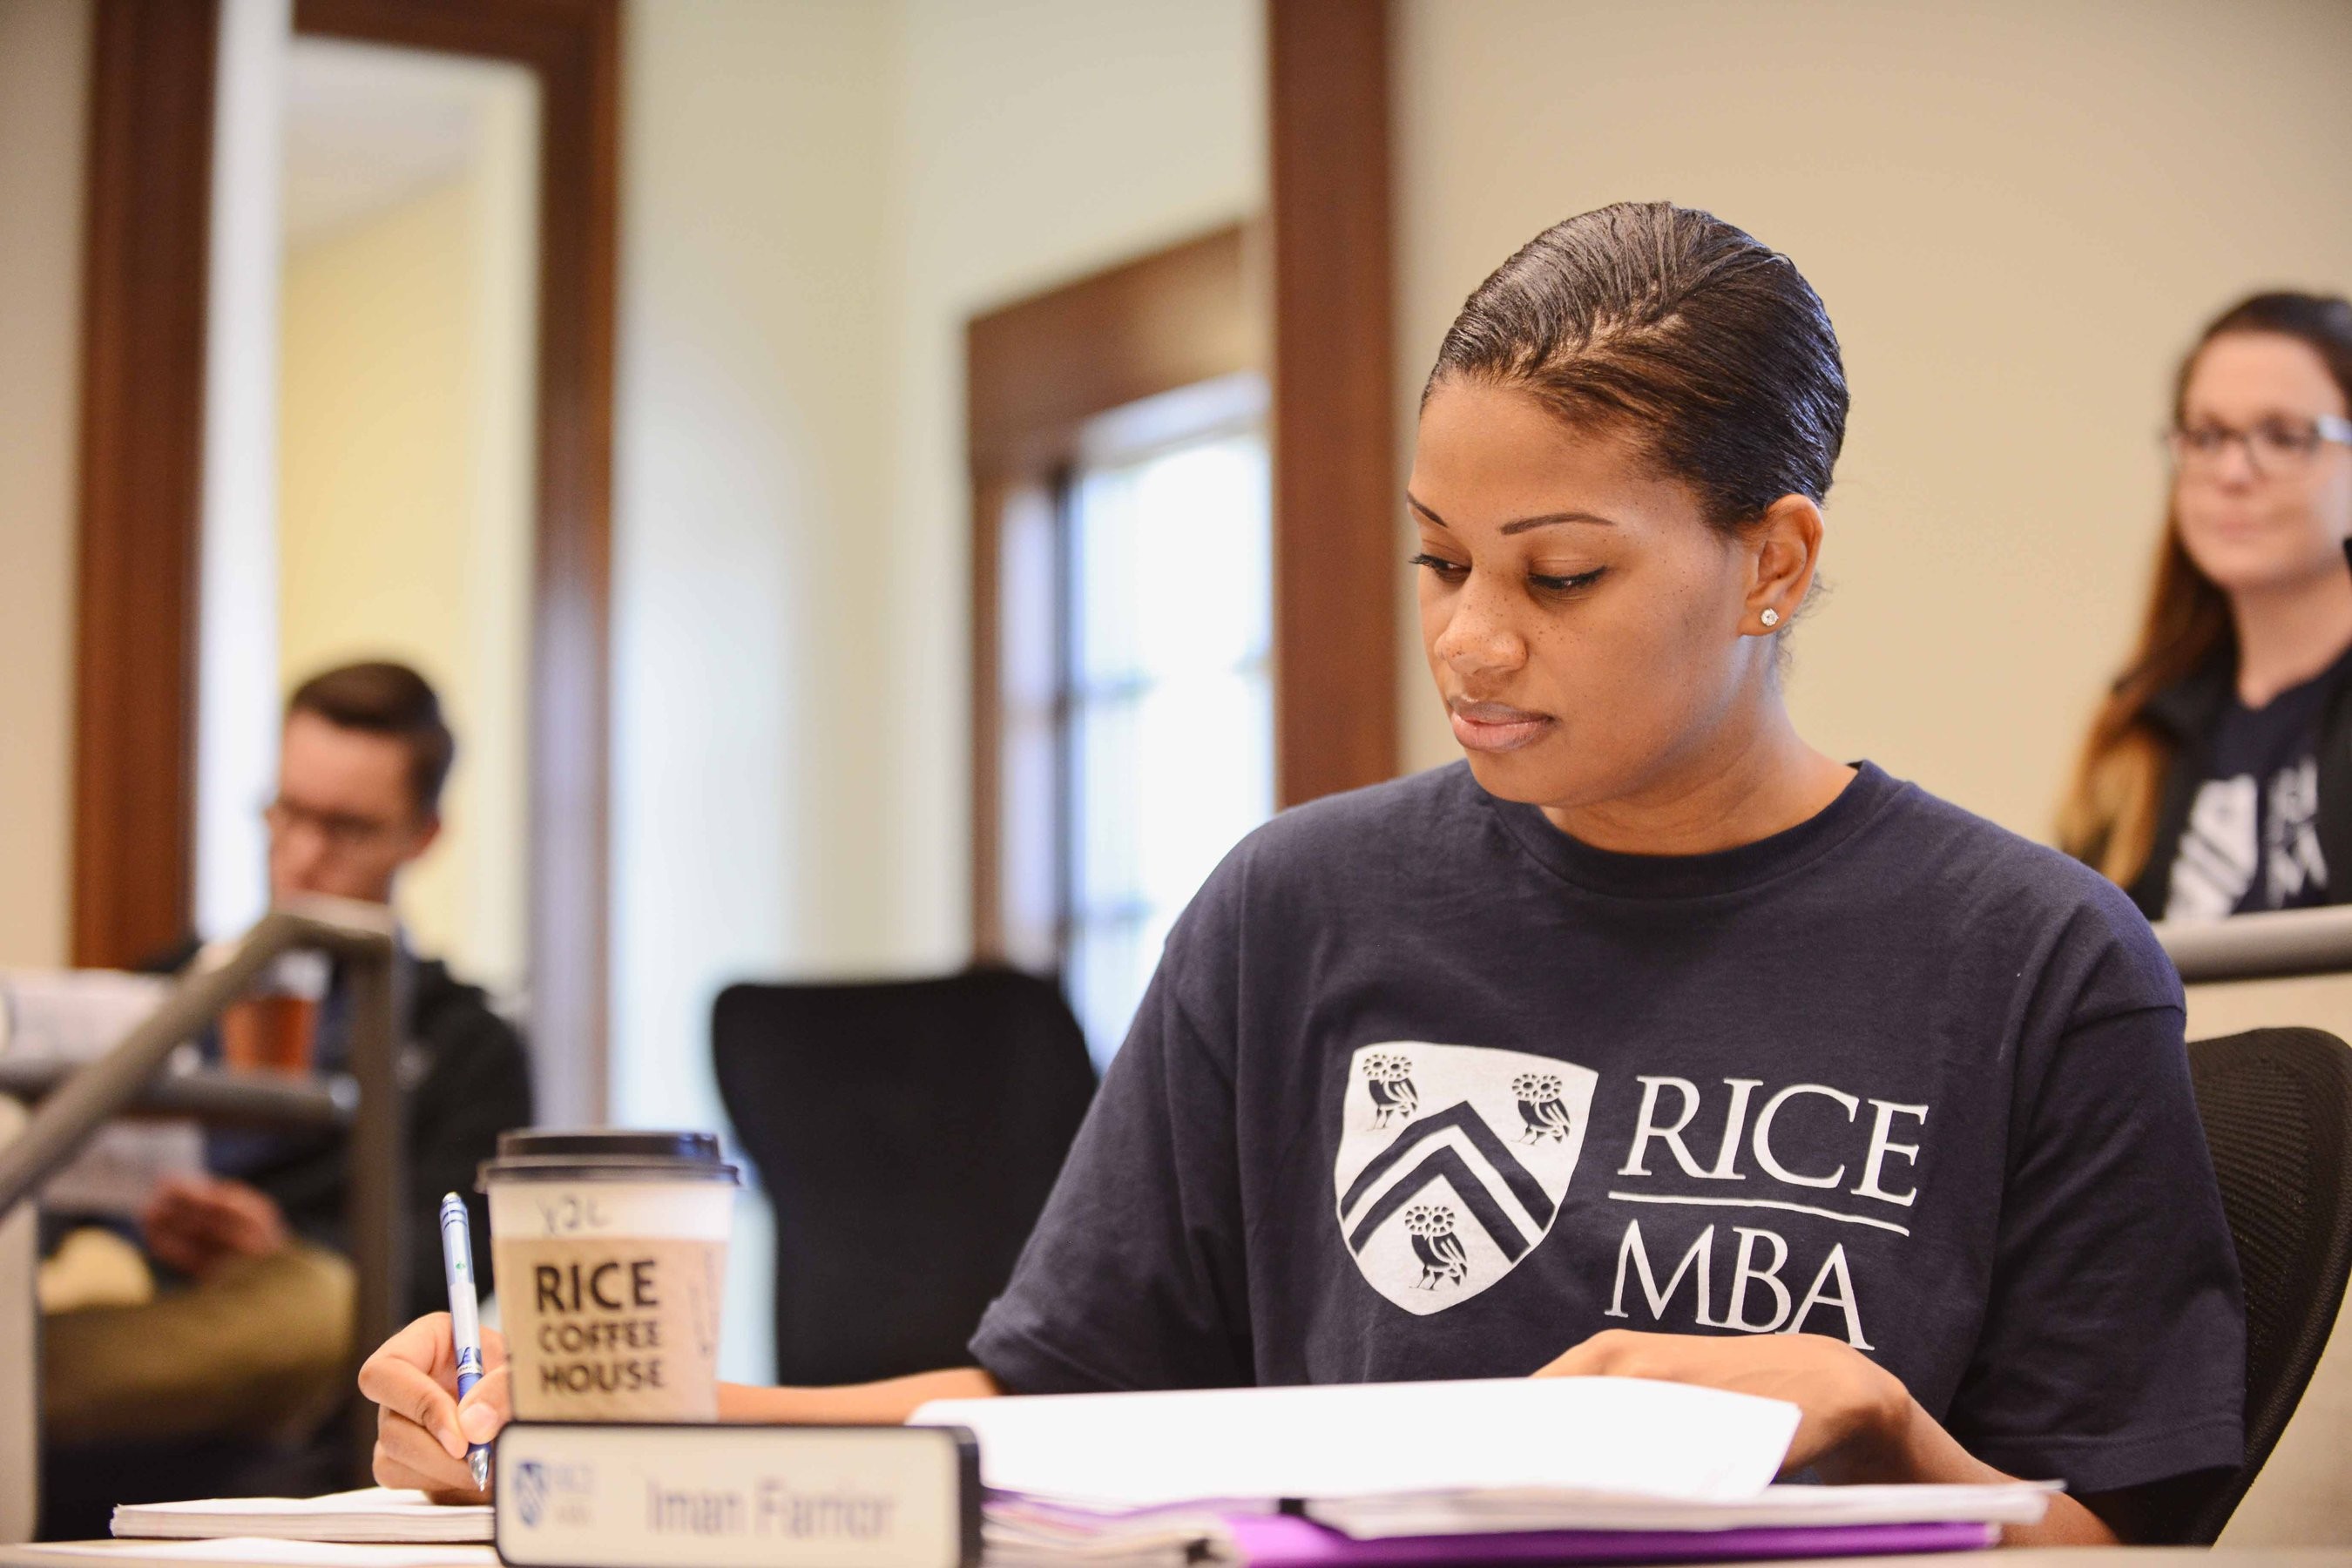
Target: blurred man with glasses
[(246, 1332)]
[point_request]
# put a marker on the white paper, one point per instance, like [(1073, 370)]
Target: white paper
[(277, 1553), (1587, 1434), (75, 1016), (1476, 1513), (372, 1514), (365, 1499), (118, 1171)]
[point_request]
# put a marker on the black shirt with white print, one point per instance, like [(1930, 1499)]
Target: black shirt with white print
[(1424, 1088), (2252, 841)]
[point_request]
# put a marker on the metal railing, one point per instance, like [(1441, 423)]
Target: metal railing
[(209, 1095), (133, 1077), (2284, 945)]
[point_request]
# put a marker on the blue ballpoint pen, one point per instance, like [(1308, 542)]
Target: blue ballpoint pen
[(464, 1317)]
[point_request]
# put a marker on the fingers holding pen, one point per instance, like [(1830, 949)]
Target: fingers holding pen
[(408, 1457), (488, 1405), (413, 1376)]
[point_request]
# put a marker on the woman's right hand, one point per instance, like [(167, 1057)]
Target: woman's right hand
[(422, 1431)]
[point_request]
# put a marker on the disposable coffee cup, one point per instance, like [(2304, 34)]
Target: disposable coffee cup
[(611, 1249)]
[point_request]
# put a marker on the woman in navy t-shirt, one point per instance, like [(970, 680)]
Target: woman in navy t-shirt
[(1651, 1041), (2217, 777)]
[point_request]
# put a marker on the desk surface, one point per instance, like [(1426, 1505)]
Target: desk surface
[(132, 1553)]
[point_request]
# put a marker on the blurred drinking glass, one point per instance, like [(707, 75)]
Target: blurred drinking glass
[(275, 1027)]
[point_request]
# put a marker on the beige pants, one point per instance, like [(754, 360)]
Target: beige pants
[(259, 1347)]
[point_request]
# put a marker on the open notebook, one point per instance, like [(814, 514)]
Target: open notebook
[(372, 1514)]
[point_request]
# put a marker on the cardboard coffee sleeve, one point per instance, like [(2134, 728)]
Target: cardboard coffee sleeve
[(623, 1329), (610, 1250)]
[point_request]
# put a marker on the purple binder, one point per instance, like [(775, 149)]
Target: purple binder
[(1286, 1541)]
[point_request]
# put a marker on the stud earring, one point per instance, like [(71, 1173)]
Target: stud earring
[(1771, 617)]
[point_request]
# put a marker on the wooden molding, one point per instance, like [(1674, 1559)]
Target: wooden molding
[(145, 250), (574, 47), (1039, 369), (987, 500), (1335, 502)]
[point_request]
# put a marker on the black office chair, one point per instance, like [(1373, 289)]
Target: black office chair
[(2277, 1108), (908, 1133)]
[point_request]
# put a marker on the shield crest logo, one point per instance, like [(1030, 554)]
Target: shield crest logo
[(530, 1492), (1452, 1163)]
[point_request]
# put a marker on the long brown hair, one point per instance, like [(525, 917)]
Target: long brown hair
[(2109, 815)]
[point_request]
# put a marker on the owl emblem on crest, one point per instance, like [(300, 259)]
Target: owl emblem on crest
[(1457, 1171), (1388, 1076), (1441, 1252), (1541, 1111)]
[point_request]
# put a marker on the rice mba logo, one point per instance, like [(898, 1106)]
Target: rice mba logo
[(1452, 1163), (530, 1493), (557, 1493)]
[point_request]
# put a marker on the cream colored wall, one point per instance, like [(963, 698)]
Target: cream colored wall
[(815, 194), (405, 525), (751, 614), (44, 94), (2018, 212)]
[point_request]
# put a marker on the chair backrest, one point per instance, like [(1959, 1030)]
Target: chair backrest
[(2277, 1110), (908, 1133)]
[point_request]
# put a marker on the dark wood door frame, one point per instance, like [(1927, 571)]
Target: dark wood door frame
[(145, 253), (142, 454), (1336, 539)]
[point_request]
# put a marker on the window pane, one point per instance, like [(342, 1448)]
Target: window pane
[(1103, 581), (1029, 895), (1170, 734), (1200, 521), (1205, 771), (1167, 777), (1111, 963), (1026, 654), (1172, 569), (1107, 838)]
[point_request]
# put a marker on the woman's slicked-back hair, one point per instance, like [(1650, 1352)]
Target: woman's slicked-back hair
[(1669, 326)]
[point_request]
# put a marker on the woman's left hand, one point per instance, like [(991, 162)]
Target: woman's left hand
[(1856, 1413)]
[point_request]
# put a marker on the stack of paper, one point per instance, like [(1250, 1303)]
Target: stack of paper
[(371, 1515), (1290, 1541), (253, 1552), (1476, 1513), (1343, 1440), (1396, 1475)]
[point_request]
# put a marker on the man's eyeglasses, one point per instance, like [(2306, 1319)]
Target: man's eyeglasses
[(344, 834), (2273, 448)]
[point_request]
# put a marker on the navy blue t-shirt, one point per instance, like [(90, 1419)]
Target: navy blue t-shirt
[(2251, 840), (1423, 1088)]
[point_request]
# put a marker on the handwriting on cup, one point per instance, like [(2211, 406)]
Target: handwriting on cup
[(572, 1213)]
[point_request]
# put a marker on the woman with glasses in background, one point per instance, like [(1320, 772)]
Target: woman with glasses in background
[(2218, 776)]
